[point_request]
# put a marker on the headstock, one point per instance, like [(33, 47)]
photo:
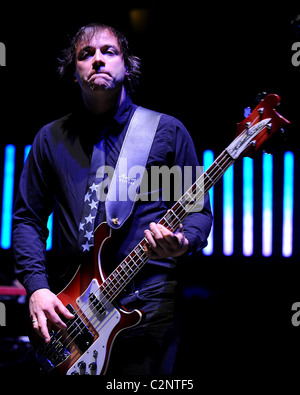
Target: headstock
[(257, 128)]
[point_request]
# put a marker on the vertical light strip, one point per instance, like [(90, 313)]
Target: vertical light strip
[(7, 195), (288, 204), (228, 212), (267, 205), (50, 219), (26, 152), (208, 158), (50, 228), (247, 206)]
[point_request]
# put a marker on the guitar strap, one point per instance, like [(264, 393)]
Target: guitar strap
[(130, 167), (124, 185)]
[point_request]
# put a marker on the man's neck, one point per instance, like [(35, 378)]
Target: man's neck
[(102, 102)]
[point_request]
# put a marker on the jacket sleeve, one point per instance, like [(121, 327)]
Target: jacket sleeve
[(33, 205), (197, 224)]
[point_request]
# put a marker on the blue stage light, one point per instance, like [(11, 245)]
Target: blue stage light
[(247, 206), (288, 204), (208, 158), (7, 195), (228, 211), (267, 205)]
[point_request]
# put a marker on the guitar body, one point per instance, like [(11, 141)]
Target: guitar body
[(85, 346)]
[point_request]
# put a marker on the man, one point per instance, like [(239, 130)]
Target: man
[(55, 176)]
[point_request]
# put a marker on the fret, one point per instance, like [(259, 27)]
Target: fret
[(177, 219), (172, 211), (110, 286), (134, 263), (164, 222), (197, 190), (191, 198), (178, 209), (206, 175), (213, 171), (114, 279), (199, 186), (139, 250), (220, 167), (135, 257), (128, 270), (182, 206)]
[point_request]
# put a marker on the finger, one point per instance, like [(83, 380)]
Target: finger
[(42, 326), (151, 248), (150, 239), (56, 320), (35, 323), (168, 236), (180, 228), (64, 311), (157, 235)]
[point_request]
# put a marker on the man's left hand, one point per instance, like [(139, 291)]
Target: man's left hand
[(163, 243)]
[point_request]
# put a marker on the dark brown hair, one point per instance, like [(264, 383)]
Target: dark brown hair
[(132, 63)]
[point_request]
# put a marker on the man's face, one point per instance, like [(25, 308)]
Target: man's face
[(100, 63)]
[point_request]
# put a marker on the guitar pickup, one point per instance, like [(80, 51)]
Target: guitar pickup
[(78, 331), (97, 304)]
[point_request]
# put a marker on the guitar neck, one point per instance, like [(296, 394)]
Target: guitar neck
[(131, 265)]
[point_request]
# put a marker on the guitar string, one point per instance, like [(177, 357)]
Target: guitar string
[(117, 273)]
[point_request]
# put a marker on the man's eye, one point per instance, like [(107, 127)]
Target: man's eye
[(109, 52), (83, 55)]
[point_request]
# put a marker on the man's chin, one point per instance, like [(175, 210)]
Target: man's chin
[(99, 87)]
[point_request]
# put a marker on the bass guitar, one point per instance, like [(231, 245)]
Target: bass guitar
[(84, 347)]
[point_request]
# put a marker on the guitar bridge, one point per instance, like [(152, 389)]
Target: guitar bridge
[(53, 353), (57, 351)]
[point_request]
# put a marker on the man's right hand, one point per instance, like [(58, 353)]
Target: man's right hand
[(43, 305)]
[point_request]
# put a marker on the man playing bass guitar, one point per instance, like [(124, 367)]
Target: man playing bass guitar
[(55, 177)]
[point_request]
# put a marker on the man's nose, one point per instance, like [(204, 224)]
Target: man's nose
[(99, 59)]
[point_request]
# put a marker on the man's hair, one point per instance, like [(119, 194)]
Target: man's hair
[(67, 59)]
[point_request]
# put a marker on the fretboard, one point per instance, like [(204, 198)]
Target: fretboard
[(131, 265)]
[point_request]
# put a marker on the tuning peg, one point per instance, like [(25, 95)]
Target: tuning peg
[(261, 111), (260, 97)]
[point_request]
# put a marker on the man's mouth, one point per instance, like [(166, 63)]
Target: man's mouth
[(99, 73)]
